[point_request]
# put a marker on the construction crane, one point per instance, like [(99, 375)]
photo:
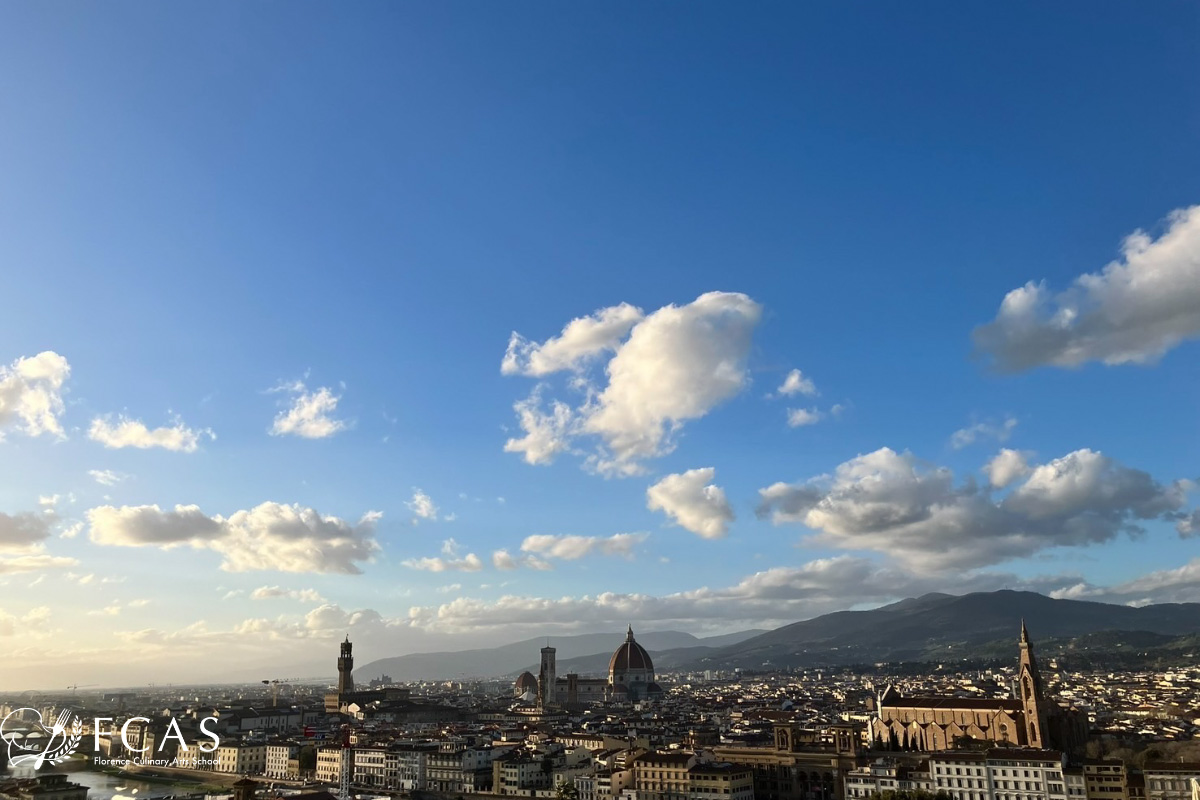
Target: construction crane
[(346, 767), (75, 686)]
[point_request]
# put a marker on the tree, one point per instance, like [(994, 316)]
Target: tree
[(566, 790)]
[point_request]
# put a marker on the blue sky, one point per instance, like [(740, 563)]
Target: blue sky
[(211, 212)]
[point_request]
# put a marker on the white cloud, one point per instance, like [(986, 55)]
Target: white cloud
[(310, 413), (1006, 467), (106, 477), (677, 364), (571, 548), (278, 592), (35, 563), (127, 432), (31, 395), (23, 533), (271, 536), (450, 561), (799, 417), (773, 597), (504, 560), (30, 624), (422, 506), (581, 340), (693, 502), (111, 610), (1133, 311), (890, 503), (1178, 585), (796, 383), (546, 433), (1189, 524), (990, 430)]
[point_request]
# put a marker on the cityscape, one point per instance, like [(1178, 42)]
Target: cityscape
[(1032, 729), (577, 400)]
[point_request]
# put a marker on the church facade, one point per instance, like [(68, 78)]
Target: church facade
[(1027, 719)]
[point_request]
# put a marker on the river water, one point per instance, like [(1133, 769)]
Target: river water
[(108, 787)]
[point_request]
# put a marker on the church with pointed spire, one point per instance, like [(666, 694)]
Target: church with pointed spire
[(1029, 718)]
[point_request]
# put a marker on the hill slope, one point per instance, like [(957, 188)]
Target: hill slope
[(511, 659), (943, 627)]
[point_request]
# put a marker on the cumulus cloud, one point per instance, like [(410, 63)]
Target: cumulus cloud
[(422, 506), (983, 430), (450, 560), (125, 432), (1178, 585), (1189, 524), (31, 623), (799, 417), (271, 536), (891, 503), (676, 364), (31, 395), (797, 383), (571, 548), (310, 414), (1006, 467), (1131, 312), (768, 598), (23, 533), (580, 341), (106, 477), (504, 560), (693, 502), (547, 433), (278, 592)]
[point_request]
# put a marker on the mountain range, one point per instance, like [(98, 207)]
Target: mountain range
[(930, 628), (512, 659)]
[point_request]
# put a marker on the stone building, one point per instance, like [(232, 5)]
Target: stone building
[(339, 702), (1028, 719), (801, 764), (630, 679)]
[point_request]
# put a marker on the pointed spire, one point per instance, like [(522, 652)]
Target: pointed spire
[(1024, 632), (629, 634)]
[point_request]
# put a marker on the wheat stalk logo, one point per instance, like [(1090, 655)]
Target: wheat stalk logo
[(63, 737)]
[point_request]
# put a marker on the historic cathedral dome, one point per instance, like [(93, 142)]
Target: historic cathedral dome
[(525, 683), (631, 672), (630, 656)]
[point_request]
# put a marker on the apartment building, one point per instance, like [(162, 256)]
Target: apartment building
[(281, 757), (721, 781), (1005, 774), (241, 759), (1170, 780)]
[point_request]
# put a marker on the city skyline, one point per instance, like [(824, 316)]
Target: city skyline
[(444, 327)]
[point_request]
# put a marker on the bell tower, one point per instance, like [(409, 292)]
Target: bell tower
[(346, 668), (1030, 692), (547, 680)]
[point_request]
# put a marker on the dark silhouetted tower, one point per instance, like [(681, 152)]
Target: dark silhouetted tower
[(547, 679), (346, 668)]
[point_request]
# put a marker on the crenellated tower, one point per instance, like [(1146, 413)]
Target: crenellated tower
[(346, 668)]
